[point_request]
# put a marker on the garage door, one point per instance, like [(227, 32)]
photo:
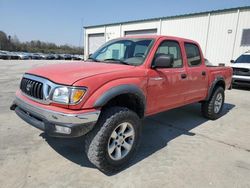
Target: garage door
[(141, 32), (95, 41)]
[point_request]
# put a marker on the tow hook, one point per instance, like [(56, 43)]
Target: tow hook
[(13, 107)]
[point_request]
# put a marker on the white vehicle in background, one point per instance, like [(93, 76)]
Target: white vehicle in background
[(241, 70), (42, 55), (78, 57), (81, 57), (22, 55)]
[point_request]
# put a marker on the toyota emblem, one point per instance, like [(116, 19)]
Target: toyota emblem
[(28, 87)]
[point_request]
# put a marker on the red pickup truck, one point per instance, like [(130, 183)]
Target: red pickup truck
[(107, 97)]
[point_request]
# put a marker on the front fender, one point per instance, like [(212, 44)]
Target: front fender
[(119, 90), (135, 86)]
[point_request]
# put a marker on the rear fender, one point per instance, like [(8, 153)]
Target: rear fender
[(213, 85)]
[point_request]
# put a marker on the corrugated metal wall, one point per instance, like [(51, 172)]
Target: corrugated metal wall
[(244, 23), (221, 36), (219, 33), (194, 28)]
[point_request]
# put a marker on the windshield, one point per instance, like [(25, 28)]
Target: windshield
[(124, 51), (243, 59)]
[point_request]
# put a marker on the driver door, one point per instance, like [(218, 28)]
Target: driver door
[(167, 86)]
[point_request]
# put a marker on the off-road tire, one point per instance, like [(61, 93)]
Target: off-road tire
[(207, 107), (96, 142)]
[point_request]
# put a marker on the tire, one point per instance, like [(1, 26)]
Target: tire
[(99, 141), (209, 108)]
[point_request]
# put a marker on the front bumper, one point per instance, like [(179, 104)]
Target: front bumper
[(55, 123), (241, 80)]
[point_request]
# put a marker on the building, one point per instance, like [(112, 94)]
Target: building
[(222, 34)]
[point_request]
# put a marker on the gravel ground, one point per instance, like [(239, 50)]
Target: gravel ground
[(179, 148)]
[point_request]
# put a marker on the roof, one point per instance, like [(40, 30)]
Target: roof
[(157, 37), (171, 17), (142, 36)]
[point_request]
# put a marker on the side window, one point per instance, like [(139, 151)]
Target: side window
[(193, 54), (171, 48)]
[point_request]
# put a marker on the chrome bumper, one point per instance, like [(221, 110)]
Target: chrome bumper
[(241, 80), (48, 120)]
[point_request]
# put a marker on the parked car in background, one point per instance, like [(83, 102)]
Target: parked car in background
[(241, 70), (67, 57), (4, 55), (42, 55), (35, 56), (38, 56), (78, 57), (74, 57), (50, 57), (29, 55), (22, 55), (58, 56), (81, 57), (13, 55)]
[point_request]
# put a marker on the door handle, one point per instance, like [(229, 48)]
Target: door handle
[(203, 73), (183, 76), (156, 78)]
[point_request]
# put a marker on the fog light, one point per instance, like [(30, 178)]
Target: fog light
[(64, 130)]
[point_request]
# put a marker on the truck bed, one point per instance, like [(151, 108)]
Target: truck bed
[(223, 71)]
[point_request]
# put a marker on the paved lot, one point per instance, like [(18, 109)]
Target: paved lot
[(179, 148)]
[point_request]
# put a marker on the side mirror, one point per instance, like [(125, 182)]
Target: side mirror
[(163, 61), (232, 61)]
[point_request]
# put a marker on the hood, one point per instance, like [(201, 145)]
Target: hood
[(241, 65), (68, 73)]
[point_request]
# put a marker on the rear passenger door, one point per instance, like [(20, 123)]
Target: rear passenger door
[(197, 75)]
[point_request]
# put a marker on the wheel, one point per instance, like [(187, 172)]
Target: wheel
[(114, 139), (212, 108)]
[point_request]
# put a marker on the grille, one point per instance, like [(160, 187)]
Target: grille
[(32, 88), (241, 71)]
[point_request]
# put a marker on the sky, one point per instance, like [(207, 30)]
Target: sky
[(62, 21)]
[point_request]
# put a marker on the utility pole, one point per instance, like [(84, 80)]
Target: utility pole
[(81, 33)]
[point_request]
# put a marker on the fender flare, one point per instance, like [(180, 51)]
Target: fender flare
[(214, 83), (119, 90)]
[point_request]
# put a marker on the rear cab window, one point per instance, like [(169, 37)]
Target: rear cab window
[(193, 54)]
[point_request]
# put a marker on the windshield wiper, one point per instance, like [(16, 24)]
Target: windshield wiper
[(116, 60)]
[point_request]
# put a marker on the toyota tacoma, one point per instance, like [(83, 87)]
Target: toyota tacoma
[(106, 97)]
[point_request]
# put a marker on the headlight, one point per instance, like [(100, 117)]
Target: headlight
[(68, 95), (61, 95)]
